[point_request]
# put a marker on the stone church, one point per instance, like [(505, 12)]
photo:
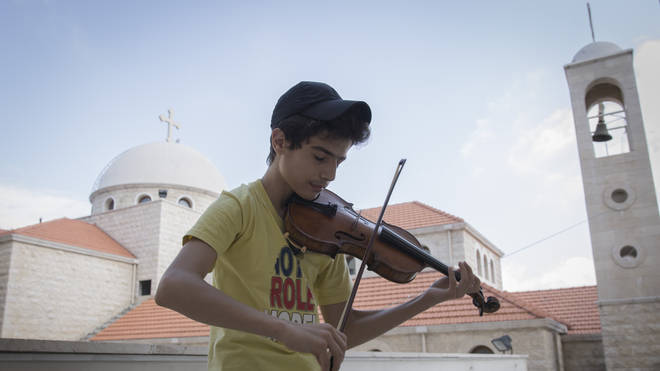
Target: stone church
[(93, 278)]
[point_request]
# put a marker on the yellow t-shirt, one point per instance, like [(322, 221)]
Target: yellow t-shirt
[(256, 267)]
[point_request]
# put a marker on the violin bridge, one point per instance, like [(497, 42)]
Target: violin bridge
[(297, 248)]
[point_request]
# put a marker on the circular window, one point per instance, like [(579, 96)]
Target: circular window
[(619, 195), (110, 204), (628, 252), (628, 255), (619, 198), (185, 202), (144, 198)]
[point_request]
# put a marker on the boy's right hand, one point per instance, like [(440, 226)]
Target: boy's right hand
[(322, 340)]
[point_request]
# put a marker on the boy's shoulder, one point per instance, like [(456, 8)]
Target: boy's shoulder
[(244, 191), (245, 195)]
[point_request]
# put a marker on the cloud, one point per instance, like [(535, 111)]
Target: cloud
[(538, 148), (482, 134), (529, 149), (510, 132), (20, 207), (571, 272), (647, 59)]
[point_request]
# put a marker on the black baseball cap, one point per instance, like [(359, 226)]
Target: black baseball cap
[(316, 100)]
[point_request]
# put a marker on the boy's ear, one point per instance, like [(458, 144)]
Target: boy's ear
[(278, 140)]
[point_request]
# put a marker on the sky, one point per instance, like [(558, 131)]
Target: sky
[(472, 94)]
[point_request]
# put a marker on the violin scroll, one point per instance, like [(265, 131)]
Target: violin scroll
[(489, 305)]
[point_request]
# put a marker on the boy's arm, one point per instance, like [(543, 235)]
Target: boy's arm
[(183, 289), (363, 326)]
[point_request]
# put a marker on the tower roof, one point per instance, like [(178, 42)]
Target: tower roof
[(596, 50), (161, 163)]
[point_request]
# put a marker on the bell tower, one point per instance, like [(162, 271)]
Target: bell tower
[(621, 202)]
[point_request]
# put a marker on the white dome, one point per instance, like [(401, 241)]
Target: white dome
[(161, 163), (596, 50)]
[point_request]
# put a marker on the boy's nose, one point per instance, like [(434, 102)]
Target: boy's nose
[(329, 172)]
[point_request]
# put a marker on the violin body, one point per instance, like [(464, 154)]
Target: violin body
[(329, 225)]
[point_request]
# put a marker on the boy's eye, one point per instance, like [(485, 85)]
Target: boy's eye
[(318, 158)]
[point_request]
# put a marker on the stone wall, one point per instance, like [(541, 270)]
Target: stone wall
[(56, 291), (137, 229), (538, 339), (175, 221), (152, 231), (631, 333), (583, 352), (440, 242), (5, 263)]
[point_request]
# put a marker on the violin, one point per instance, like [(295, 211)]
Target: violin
[(329, 225)]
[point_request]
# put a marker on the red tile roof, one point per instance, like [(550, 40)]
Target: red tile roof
[(75, 233), (151, 321), (574, 307), (376, 292), (411, 215)]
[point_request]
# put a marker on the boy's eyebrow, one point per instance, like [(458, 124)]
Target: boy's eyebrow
[(328, 152)]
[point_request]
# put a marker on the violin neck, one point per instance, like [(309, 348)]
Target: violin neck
[(393, 238)]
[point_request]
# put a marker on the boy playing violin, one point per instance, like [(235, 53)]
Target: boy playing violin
[(262, 306)]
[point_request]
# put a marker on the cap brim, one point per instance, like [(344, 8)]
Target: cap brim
[(331, 109)]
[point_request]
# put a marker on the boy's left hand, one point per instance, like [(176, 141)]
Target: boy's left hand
[(446, 288)]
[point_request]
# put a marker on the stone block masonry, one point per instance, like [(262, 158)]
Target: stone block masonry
[(631, 334)]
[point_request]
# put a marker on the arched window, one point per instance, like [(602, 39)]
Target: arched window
[(144, 198), (607, 120), (485, 267), (492, 271), (478, 263), (482, 349), (110, 204), (185, 201)]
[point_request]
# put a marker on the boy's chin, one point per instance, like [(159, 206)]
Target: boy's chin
[(308, 195)]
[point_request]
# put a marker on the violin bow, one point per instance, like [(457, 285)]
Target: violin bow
[(349, 303)]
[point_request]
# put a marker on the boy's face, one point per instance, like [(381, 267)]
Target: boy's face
[(309, 169)]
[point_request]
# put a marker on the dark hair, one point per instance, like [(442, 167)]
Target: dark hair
[(298, 128)]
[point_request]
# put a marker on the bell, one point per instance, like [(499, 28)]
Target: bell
[(601, 134)]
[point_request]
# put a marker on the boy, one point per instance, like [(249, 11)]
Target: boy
[(262, 307)]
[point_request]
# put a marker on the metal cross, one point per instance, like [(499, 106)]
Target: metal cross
[(591, 24), (170, 122)]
